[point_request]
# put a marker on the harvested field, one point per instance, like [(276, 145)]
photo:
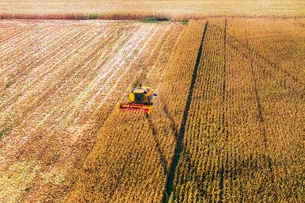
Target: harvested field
[(59, 82)]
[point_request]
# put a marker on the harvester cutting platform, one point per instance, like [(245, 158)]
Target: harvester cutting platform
[(140, 99)]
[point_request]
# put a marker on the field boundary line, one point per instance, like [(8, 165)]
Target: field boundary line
[(160, 17), (169, 185)]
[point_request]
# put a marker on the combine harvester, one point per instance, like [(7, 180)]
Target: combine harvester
[(140, 99)]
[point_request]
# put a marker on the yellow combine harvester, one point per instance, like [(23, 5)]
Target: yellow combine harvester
[(140, 99)]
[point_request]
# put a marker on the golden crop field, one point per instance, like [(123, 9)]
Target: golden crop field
[(228, 124), (245, 137), (133, 8), (132, 157)]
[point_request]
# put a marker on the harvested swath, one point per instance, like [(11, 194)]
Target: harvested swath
[(61, 79), (132, 159)]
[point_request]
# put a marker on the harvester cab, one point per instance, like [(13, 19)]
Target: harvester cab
[(139, 99)]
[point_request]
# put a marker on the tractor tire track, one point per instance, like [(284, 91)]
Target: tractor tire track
[(261, 120), (251, 54)]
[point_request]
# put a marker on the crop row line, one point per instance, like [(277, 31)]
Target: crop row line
[(259, 106), (225, 110)]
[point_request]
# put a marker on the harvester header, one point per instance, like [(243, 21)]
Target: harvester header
[(139, 99)]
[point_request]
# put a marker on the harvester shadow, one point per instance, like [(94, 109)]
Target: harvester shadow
[(173, 123), (246, 167), (174, 129), (158, 147)]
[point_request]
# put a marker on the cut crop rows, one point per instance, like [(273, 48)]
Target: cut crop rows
[(59, 82)]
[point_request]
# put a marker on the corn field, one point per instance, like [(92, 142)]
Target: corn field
[(133, 9), (244, 136), (227, 124)]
